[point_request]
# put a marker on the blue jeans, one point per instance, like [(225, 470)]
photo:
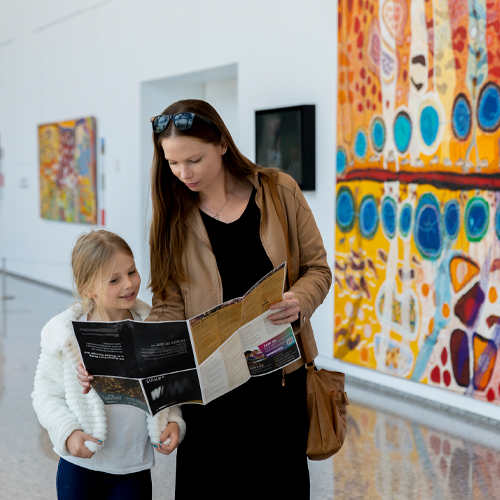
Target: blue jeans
[(77, 483)]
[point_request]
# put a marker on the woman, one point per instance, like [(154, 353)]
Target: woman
[(214, 233)]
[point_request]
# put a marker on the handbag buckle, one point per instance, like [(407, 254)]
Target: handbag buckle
[(310, 367)]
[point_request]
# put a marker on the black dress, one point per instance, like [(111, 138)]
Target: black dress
[(251, 442)]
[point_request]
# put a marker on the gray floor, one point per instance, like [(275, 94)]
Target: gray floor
[(395, 449)]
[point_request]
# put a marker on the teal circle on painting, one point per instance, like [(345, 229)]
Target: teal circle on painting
[(378, 134), (451, 219), (360, 145), (346, 209), (368, 217), (461, 117), (341, 160), (488, 110), (402, 131), (427, 230), (405, 219), (477, 218), (429, 125), (389, 215)]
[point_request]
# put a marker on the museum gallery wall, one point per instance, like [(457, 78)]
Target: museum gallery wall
[(67, 153), (417, 271)]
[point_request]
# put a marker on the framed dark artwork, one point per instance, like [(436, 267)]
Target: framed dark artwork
[(286, 138)]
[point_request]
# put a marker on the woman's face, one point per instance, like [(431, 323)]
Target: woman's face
[(195, 163)]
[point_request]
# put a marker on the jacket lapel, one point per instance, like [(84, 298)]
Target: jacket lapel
[(194, 222), (271, 231)]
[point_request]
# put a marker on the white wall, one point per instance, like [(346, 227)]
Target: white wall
[(62, 59), (219, 86), (124, 61), (119, 61)]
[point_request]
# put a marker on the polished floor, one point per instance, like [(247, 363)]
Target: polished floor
[(395, 449)]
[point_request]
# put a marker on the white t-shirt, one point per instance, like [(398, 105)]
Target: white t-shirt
[(127, 448)]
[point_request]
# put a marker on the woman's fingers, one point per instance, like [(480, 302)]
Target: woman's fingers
[(289, 310), (288, 319), (289, 315)]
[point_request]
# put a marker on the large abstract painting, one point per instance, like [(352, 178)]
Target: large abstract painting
[(417, 273), (68, 171)]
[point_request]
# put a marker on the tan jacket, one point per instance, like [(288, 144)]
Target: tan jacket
[(311, 273)]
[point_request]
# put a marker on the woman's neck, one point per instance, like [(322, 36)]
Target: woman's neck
[(220, 190)]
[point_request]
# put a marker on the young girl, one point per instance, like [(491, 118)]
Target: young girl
[(105, 451)]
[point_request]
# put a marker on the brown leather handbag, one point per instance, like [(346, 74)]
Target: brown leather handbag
[(326, 399)]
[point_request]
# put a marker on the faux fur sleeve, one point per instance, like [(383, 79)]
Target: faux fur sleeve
[(50, 404)]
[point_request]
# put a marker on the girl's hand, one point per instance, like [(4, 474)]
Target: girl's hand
[(76, 446), (290, 312), (169, 439), (83, 377)]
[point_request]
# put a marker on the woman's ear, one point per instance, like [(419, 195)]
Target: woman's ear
[(223, 144)]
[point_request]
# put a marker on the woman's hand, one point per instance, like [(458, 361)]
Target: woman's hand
[(169, 439), (76, 444), (290, 312), (84, 377)]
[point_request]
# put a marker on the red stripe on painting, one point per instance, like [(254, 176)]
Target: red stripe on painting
[(103, 217), (491, 182)]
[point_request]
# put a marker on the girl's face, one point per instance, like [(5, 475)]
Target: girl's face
[(195, 163), (121, 291)]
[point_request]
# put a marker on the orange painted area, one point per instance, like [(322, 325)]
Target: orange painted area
[(479, 348), (446, 310), (462, 271), (365, 356)]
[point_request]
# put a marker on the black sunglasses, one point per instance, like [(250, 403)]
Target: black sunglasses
[(182, 121)]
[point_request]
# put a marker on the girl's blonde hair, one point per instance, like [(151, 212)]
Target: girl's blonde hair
[(92, 263)]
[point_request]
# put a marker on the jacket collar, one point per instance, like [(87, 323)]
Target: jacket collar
[(57, 334)]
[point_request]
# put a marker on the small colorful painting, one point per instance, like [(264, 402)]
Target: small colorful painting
[(68, 175)]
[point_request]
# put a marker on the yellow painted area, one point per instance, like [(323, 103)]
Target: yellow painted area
[(385, 328)]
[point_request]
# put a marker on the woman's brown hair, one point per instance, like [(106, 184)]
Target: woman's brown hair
[(172, 200)]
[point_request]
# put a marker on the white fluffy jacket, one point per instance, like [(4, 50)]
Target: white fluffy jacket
[(58, 400)]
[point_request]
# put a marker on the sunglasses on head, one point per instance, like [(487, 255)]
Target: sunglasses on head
[(182, 121)]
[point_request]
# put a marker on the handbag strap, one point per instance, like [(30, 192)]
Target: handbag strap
[(281, 216)]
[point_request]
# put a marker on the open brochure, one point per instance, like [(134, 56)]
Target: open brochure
[(156, 365)]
